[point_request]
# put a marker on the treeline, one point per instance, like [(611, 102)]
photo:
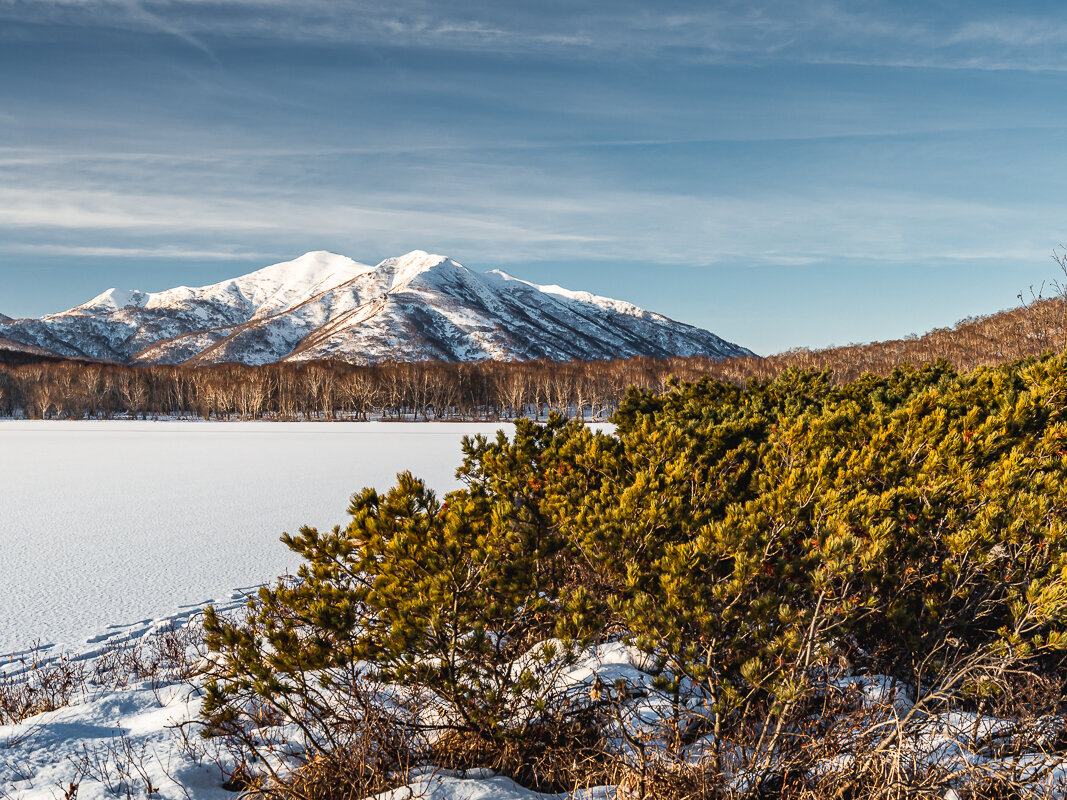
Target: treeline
[(330, 390), (486, 390)]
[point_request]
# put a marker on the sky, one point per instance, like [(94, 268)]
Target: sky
[(786, 174)]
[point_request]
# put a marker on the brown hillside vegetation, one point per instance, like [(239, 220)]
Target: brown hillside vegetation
[(1028, 330), (37, 386)]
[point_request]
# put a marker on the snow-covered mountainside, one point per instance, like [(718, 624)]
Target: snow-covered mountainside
[(322, 305), (5, 318)]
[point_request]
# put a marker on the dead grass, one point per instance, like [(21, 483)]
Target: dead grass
[(39, 681), (36, 683), (561, 754)]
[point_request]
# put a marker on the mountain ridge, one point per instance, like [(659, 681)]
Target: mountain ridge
[(418, 306)]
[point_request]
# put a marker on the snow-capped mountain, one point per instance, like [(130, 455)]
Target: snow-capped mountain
[(322, 305), (5, 318)]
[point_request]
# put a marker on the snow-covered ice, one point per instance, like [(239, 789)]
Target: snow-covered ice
[(120, 523)]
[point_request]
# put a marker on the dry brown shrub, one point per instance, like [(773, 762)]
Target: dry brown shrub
[(660, 782), (562, 754), (170, 654), (370, 760), (37, 683), (340, 775)]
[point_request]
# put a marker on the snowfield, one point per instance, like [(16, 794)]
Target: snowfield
[(108, 526)]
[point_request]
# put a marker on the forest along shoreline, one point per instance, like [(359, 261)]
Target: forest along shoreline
[(39, 387)]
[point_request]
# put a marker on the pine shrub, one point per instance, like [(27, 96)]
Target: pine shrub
[(754, 541)]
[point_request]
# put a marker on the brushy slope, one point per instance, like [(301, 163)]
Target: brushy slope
[(1028, 330)]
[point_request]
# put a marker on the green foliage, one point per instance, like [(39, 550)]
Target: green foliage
[(739, 534), (921, 514), (444, 596)]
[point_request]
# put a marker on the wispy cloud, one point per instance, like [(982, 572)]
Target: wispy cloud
[(138, 12), (1012, 31), (387, 220), (162, 251), (761, 229), (805, 31)]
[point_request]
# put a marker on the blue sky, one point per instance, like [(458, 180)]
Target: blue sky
[(783, 173)]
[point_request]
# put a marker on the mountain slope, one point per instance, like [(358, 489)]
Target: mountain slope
[(415, 307)]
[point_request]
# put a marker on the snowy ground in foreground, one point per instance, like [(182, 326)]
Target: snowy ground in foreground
[(113, 746), (126, 742), (120, 743), (137, 742), (121, 523)]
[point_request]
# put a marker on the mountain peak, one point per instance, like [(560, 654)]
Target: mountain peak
[(401, 270), (418, 260), (310, 268), (323, 305), (114, 299)]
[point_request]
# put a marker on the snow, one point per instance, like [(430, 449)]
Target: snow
[(404, 269), (325, 305), (621, 306), (442, 785), (112, 300), (133, 734), (270, 290), (138, 731), (111, 745), (263, 292), (120, 523), (877, 691), (293, 282), (310, 269)]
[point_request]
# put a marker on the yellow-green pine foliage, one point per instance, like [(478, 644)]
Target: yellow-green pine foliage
[(739, 534)]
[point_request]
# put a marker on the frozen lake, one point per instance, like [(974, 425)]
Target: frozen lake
[(106, 525)]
